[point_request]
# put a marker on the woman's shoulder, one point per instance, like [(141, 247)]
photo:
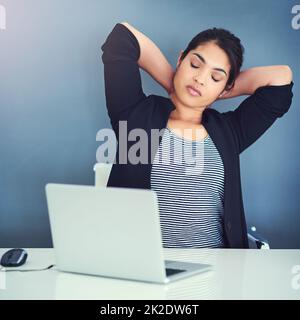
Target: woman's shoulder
[(161, 101)]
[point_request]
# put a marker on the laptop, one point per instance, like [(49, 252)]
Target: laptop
[(111, 232)]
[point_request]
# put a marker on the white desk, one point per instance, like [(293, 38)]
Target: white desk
[(237, 274)]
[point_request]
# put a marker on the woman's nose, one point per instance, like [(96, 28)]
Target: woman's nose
[(201, 77)]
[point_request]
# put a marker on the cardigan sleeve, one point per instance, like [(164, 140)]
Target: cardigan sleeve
[(258, 112), (123, 86)]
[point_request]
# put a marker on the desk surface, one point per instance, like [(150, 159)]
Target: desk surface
[(236, 274)]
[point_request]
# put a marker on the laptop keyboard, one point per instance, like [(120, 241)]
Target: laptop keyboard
[(170, 271)]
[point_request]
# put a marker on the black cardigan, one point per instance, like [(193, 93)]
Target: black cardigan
[(232, 131)]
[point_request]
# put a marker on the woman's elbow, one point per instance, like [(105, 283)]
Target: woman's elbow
[(282, 76), (290, 73), (287, 74)]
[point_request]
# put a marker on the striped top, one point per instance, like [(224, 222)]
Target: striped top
[(188, 178)]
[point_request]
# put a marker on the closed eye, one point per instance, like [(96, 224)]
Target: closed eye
[(211, 77)]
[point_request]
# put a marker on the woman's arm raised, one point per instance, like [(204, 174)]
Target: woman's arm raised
[(253, 78), (152, 59), (270, 90)]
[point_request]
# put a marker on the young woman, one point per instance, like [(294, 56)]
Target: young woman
[(203, 209)]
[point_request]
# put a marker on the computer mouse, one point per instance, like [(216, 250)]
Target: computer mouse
[(14, 258)]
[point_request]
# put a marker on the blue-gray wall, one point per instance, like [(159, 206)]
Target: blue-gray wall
[(52, 102)]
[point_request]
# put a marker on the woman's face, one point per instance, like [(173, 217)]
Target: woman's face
[(206, 69)]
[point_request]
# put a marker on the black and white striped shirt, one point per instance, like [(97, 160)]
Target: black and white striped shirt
[(191, 193)]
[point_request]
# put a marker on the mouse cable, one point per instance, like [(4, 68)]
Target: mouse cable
[(25, 270)]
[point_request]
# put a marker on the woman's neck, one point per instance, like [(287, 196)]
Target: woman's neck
[(185, 113)]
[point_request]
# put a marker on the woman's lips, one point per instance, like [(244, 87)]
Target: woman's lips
[(193, 92)]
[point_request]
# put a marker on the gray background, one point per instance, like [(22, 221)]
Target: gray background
[(52, 102)]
